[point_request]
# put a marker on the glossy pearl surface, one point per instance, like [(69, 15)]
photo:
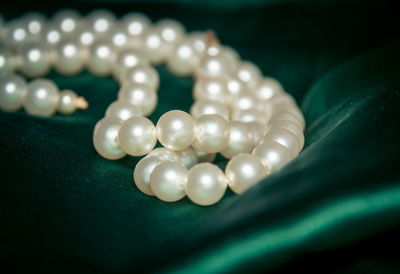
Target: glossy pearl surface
[(211, 88), (122, 110), (292, 127), (67, 21), (142, 74), (41, 98), (12, 92), (205, 106), (142, 172), (105, 138), (69, 59), (267, 88), (285, 138), (212, 133), (67, 102), (101, 21), (241, 140), (164, 154), (6, 63), (35, 60), (139, 95), (183, 59), (249, 73), (188, 157), (102, 55), (127, 58), (273, 154)]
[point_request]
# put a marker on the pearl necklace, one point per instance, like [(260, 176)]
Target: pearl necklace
[(237, 112)]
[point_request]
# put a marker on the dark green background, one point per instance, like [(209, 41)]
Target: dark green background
[(335, 208)]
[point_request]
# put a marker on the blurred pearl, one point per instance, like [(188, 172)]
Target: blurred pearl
[(245, 101), (245, 170), (137, 136), (292, 127), (167, 181), (139, 95), (204, 106), (164, 154), (213, 88), (171, 31), (105, 138), (235, 87), (136, 25), (6, 61), (214, 66), (212, 133), (51, 35), (249, 115), (66, 20), (287, 116), (183, 59), (127, 58), (142, 172), (232, 56), (285, 138), (101, 21), (267, 88), (155, 47), (249, 74), (241, 140), (258, 130), (142, 74), (122, 110), (102, 56), (16, 33), (69, 60), (41, 98), (67, 102), (119, 38), (273, 154), (206, 184), (198, 41), (204, 156), (12, 92), (35, 60), (35, 23), (175, 130), (85, 36), (188, 157)]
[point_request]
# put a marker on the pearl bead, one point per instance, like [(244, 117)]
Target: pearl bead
[(292, 127), (67, 102), (141, 74), (287, 116), (67, 20), (285, 138), (249, 115), (204, 106), (119, 38), (164, 154), (123, 110), (212, 133), (273, 154), (101, 21), (267, 88), (155, 47), (12, 92), (245, 170), (35, 60), (175, 130), (235, 87), (34, 22), (245, 101), (204, 156), (171, 31), (127, 58), (258, 130), (167, 181), (41, 98), (142, 172), (136, 25), (137, 136), (16, 34), (6, 64), (85, 37), (51, 36), (210, 88), (206, 184), (241, 140), (232, 56), (188, 157), (183, 59), (198, 41), (105, 138), (249, 74), (102, 55), (214, 66), (70, 59), (139, 95)]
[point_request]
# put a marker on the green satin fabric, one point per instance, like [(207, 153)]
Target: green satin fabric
[(334, 209)]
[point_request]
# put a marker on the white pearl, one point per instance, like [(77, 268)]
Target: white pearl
[(273, 154), (137, 136), (204, 106), (155, 47), (69, 59), (16, 33), (198, 41), (245, 101), (212, 133), (67, 102), (258, 130), (204, 156), (241, 140), (206, 184), (12, 92), (292, 127), (235, 86), (183, 59), (136, 25), (51, 36), (35, 23), (285, 138), (126, 59), (41, 98), (142, 172), (105, 138), (249, 115), (66, 20), (122, 110), (139, 95), (214, 66), (141, 74), (175, 130), (188, 157), (232, 56), (287, 116), (102, 56), (245, 170), (171, 31), (119, 38), (211, 88), (85, 36), (101, 21), (267, 88), (35, 60), (167, 181), (6, 63), (249, 74), (164, 154)]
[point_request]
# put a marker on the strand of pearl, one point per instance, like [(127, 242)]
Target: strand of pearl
[(237, 112)]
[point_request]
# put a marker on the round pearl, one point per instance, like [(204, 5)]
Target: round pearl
[(183, 59), (167, 181), (204, 106), (105, 138), (119, 38), (85, 37), (292, 127), (249, 74), (136, 25), (212, 133), (206, 184), (175, 130), (287, 116), (245, 101), (249, 115), (213, 88), (51, 36), (235, 87), (141, 74), (164, 154), (12, 92), (198, 41), (137, 136), (142, 172), (127, 58), (41, 98), (258, 130), (214, 66), (267, 88), (139, 95), (273, 154), (6, 63), (245, 170), (188, 157), (122, 110), (241, 140), (155, 47), (66, 20), (204, 157), (69, 59), (101, 21), (35, 60), (171, 31), (35, 23), (285, 138), (232, 56), (16, 34), (102, 55), (67, 102)]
